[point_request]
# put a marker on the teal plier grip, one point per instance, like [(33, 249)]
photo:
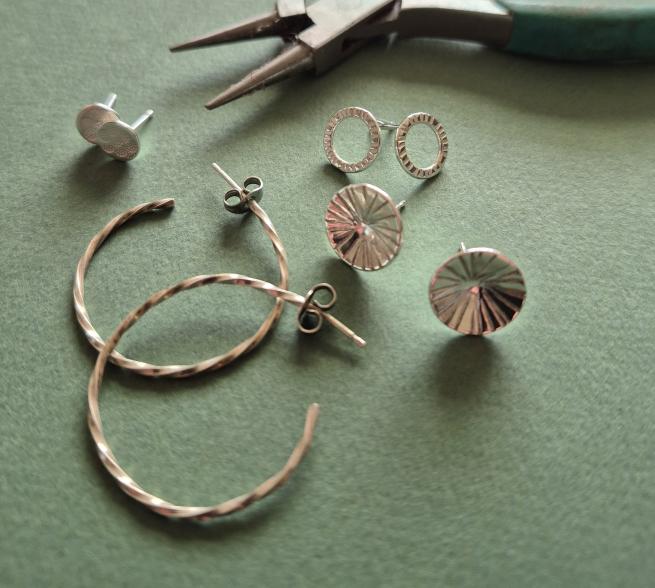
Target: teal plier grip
[(583, 30)]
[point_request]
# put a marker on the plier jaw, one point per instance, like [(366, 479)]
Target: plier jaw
[(318, 37)]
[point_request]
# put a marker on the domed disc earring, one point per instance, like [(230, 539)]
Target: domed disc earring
[(124, 480), (120, 140), (364, 226), (93, 116), (247, 200), (477, 291)]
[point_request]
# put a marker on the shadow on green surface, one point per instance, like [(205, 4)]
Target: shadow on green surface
[(96, 174), (463, 367)]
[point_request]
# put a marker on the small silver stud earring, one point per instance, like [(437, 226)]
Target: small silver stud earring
[(93, 116), (120, 140), (374, 129), (364, 226), (477, 291)]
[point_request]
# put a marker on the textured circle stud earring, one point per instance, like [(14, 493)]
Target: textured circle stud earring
[(247, 201), (373, 133), (93, 116), (108, 459), (423, 118), (477, 291), (374, 127), (364, 226), (120, 140)]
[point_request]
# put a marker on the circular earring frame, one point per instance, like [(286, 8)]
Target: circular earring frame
[(374, 139), (477, 291), (402, 131), (174, 370), (306, 304), (364, 226)]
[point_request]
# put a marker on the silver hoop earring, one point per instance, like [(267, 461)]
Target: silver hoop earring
[(373, 133), (238, 200), (404, 127), (374, 130)]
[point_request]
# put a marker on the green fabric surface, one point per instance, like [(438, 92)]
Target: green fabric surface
[(521, 459)]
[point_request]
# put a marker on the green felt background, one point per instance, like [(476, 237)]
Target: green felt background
[(522, 459)]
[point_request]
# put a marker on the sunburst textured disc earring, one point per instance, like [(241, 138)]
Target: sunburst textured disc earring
[(238, 200), (477, 291), (93, 116), (375, 126), (364, 227)]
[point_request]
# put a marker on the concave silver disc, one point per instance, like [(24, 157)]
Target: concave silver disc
[(364, 226), (477, 291), (91, 118), (118, 140)]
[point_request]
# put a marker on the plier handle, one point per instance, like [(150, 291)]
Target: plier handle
[(320, 35)]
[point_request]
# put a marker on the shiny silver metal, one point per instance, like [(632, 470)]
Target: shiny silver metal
[(364, 226), (109, 460), (429, 120), (374, 126), (477, 291), (183, 370), (373, 133), (93, 116), (120, 140)]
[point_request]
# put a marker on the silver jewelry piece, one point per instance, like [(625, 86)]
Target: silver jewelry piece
[(120, 140), (424, 118), (364, 226), (477, 291), (93, 116), (374, 129)]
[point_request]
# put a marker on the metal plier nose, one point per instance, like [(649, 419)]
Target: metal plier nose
[(324, 33), (317, 36)]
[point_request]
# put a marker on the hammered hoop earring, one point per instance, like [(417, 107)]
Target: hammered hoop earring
[(248, 197), (421, 118), (308, 308), (373, 134)]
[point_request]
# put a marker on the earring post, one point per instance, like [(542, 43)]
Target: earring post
[(110, 100), (144, 118), (226, 177)]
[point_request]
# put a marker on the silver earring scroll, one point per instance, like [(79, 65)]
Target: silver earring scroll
[(477, 291)]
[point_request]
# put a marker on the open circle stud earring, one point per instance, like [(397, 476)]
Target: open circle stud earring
[(120, 140), (103, 449), (477, 291), (401, 147), (93, 116), (247, 199), (364, 226), (374, 139)]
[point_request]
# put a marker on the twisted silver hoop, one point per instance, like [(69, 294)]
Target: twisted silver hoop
[(108, 459), (175, 371)]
